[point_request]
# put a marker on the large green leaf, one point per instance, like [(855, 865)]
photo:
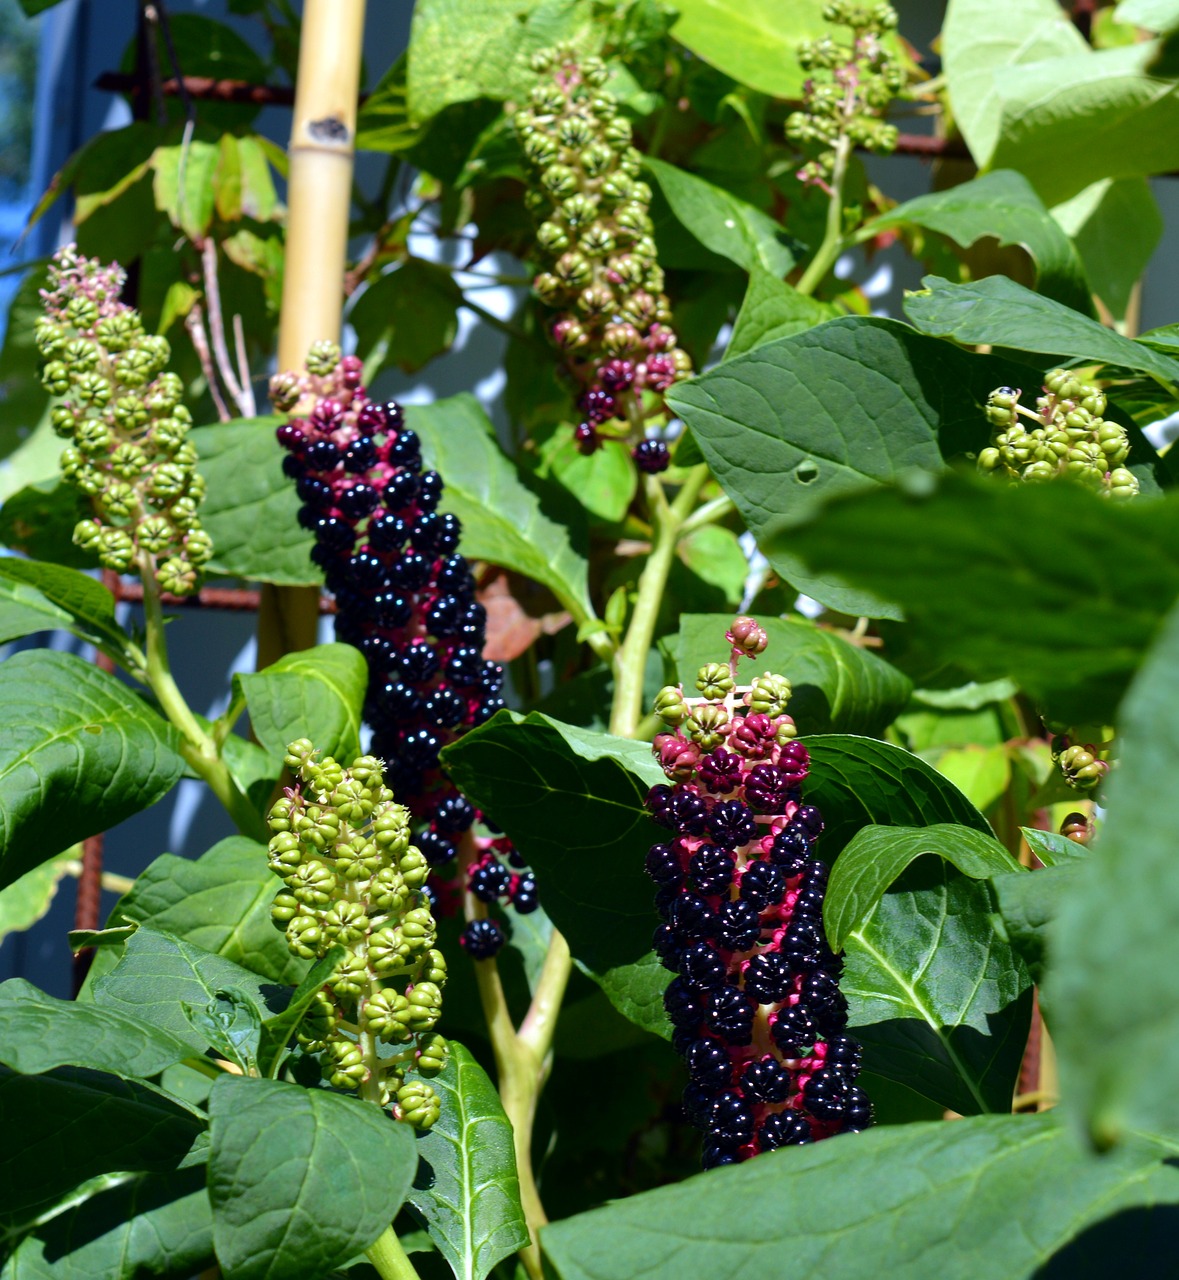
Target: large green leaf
[(79, 754), (991, 1198), (979, 38), (300, 1180), (25, 399), (571, 800), (39, 1033), (1074, 120), (504, 522), (406, 317), (465, 49), (938, 997), (38, 596), (1058, 589), (158, 974), (721, 222), (251, 509), (466, 1187), (39, 519), (314, 693), (1029, 905), (382, 123), (1053, 849), (1001, 312), (773, 309), (1002, 206), (1116, 225), (841, 406), (64, 1126), (754, 41), (876, 856), (220, 902), (156, 1224), (838, 687), (1114, 1002), (29, 897)]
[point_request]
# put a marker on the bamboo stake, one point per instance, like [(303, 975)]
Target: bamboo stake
[(319, 197)]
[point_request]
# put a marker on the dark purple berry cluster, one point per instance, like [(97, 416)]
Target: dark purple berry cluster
[(755, 1003), (498, 874), (404, 596)]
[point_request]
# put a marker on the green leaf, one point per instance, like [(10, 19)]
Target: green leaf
[(991, 1198), (1001, 312), (756, 42), (184, 185), (1002, 206), (406, 317), (1154, 15), (504, 522), (231, 1026), (300, 1179), (773, 309), (1029, 905), (157, 1224), (636, 991), (382, 123), (721, 222), (852, 402), (714, 556), (220, 903), (1116, 226), (1075, 120), (39, 1033), (158, 974), (875, 858), (466, 1188), (80, 753), (277, 1031), (105, 1124), (838, 687), (40, 519), (460, 50), (604, 483), (60, 597), (979, 39), (25, 399), (938, 997), (570, 799), (981, 773), (1115, 1006), (1053, 850), (1066, 615), (28, 898), (251, 509), (314, 693)]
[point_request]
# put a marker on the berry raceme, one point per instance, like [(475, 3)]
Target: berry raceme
[(351, 878), (849, 91), (1065, 436), (497, 875), (404, 596), (602, 277), (128, 456), (756, 1005)]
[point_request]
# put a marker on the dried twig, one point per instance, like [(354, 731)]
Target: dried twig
[(195, 324), (217, 327)]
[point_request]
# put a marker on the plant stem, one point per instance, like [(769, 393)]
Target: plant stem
[(832, 242), (710, 513), (197, 747), (630, 664), (389, 1258)]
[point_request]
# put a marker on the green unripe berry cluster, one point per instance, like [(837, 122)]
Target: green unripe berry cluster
[(1065, 436), (849, 90), (128, 455), (351, 878)]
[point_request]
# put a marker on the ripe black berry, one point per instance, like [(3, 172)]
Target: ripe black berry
[(406, 449), (436, 848), (652, 456), (525, 897), (400, 490), (825, 1095), (731, 1122), (491, 881), (359, 456), (784, 1129), (482, 939), (768, 978), (429, 490), (731, 824), (663, 865), (738, 926), (766, 1080), (692, 917), (708, 1063), (387, 533), (701, 967), (454, 814), (711, 869), (791, 849), (730, 1014), (794, 1030), (681, 1004), (762, 885)]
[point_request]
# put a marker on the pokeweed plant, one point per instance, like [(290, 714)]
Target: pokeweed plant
[(836, 978)]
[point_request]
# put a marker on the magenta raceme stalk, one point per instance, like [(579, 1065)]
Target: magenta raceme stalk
[(613, 329), (756, 1005)]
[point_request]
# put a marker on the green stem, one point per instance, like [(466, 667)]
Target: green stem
[(832, 242), (630, 665), (389, 1258), (197, 747), (711, 512)]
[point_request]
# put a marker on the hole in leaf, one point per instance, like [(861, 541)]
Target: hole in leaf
[(806, 472)]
